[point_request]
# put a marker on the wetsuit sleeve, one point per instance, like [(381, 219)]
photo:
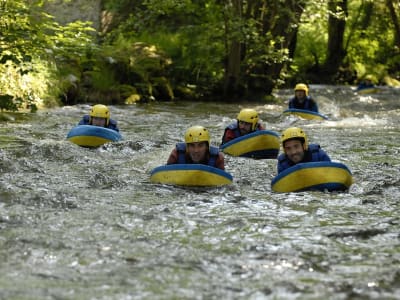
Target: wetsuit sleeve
[(323, 156), (84, 120), (314, 105), (220, 162), (173, 157), (113, 125), (291, 103), (280, 167), (228, 136)]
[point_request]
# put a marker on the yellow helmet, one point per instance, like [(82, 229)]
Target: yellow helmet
[(100, 111), (301, 87), (197, 134), (248, 115), (294, 133)]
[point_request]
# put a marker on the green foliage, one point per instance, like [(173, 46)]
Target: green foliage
[(33, 48), (189, 43), (197, 36), (369, 40), (130, 63), (365, 46), (189, 33), (312, 37)]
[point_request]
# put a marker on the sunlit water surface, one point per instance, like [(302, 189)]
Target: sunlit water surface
[(79, 223)]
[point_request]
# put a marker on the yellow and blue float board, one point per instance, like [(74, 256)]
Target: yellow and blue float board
[(306, 114), (92, 136), (258, 144), (367, 90), (190, 175), (321, 176)]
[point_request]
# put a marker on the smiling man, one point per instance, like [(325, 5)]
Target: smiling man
[(297, 150), (197, 150)]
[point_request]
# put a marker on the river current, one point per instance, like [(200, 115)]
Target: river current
[(78, 223)]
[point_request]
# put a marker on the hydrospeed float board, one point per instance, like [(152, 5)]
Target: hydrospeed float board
[(92, 136), (258, 144), (190, 175), (367, 90), (322, 176), (306, 114)]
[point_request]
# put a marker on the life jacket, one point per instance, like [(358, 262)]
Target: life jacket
[(306, 104), (112, 124), (212, 161), (235, 128), (314, 149)]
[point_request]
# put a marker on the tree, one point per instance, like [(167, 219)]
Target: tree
[(32, 47), (256, 57), (234, 50), (336, 29), (395, 20), (228, 48)]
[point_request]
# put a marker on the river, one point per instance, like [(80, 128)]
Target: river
[(78, 223)]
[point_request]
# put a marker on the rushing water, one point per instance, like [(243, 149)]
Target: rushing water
[(79, 223)]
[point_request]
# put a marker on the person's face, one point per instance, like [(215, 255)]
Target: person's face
[(244, 127), (98, 121), (300, 94), (294, 150), (197, 151)]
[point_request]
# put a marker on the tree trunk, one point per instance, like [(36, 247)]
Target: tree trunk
[(395, 21), (232, 72), (336, 27), (254, 64), (279, 22)]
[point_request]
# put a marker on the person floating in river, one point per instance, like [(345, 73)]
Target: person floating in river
[(302, 100), (197, 150), (297, 150), (99, 116), (246, 122), (367, 83)]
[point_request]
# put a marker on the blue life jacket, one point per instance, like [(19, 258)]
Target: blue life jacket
[(313, 154), (112, 124), (364, 85), (307, 104), (212, 161)]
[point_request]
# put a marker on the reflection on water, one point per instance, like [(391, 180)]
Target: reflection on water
[(79, 223)]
